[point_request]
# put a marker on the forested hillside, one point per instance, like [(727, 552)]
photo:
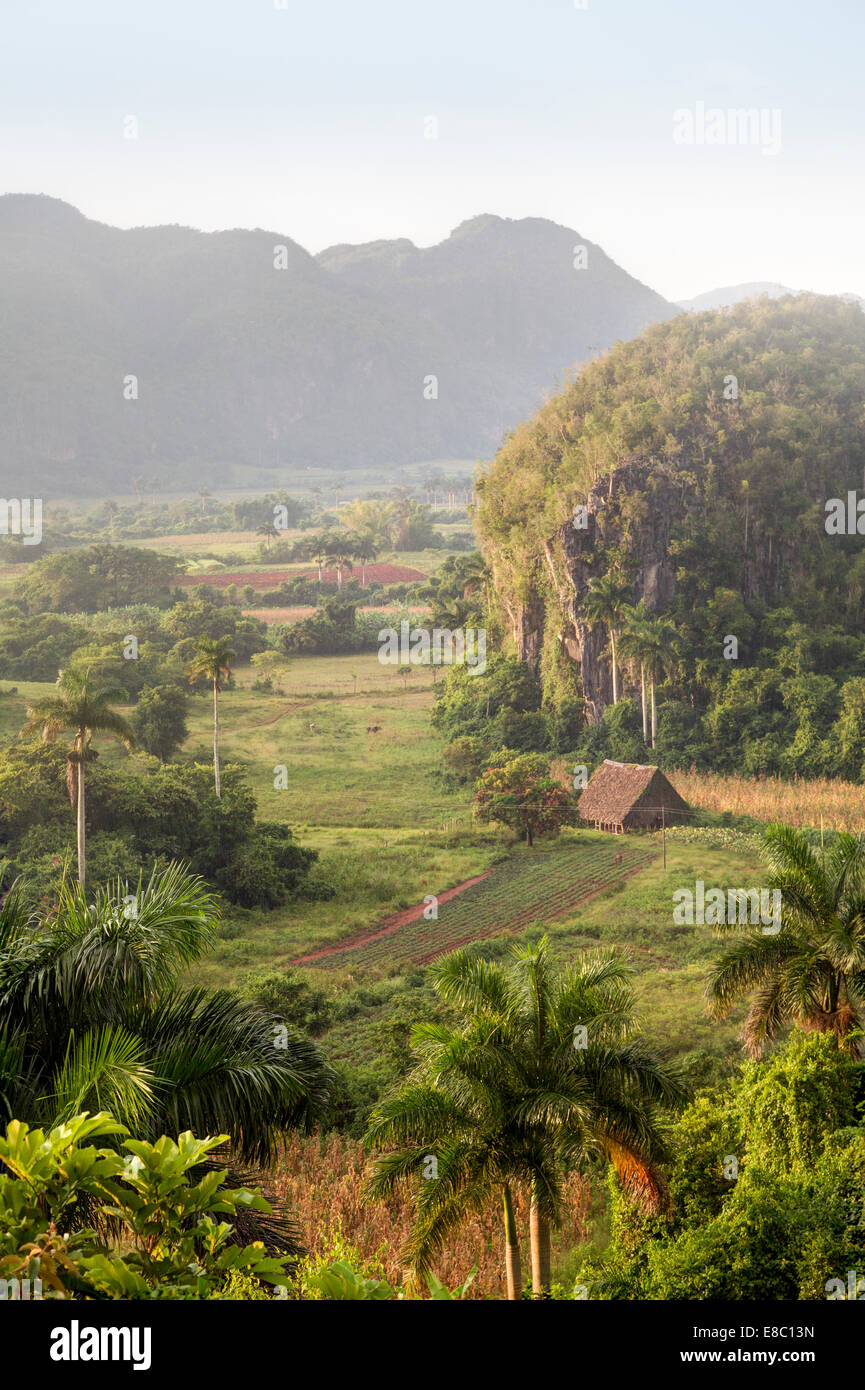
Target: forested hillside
[(703, 454), (248, 353)]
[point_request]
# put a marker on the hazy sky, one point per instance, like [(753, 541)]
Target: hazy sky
[(310, 120)]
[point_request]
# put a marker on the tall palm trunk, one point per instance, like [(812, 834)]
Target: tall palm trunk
[(539, 1228), (79, 817), (654, 711), (645, 707), (513, 1267), (615, 673), (216, 739)]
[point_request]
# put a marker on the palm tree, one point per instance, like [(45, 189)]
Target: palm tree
[(812, 972), (365, 549), (317, 548), (657, 638), (634, 643), (507, 1099), (213, 663), (93, 1018), (268, 530), (83, 704), (318, 551), (605, 603), (473, 572), (339, 550)]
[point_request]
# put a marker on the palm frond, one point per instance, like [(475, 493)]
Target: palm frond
[(103, 1070), (227, 1066)]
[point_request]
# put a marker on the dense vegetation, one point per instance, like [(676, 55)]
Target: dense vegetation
[(146, 815), (765, 1190), (272, 816), (704, 501)]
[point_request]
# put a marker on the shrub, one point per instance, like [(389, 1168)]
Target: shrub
[(175, 1240)]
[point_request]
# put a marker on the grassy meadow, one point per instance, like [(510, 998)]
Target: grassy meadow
[(389, 831)]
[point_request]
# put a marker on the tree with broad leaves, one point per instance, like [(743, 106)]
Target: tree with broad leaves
[(93, 1017), (518, 791)]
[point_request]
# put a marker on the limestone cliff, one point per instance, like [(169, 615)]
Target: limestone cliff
[(703, 453)]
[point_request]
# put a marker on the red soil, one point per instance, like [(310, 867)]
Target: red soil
[(391, 924)]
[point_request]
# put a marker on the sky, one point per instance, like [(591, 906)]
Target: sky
[(352, 120)]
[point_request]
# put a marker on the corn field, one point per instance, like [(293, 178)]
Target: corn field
[(796, 801), (322, 1181)]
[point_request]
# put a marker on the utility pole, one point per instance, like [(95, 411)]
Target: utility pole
[(664, 835)]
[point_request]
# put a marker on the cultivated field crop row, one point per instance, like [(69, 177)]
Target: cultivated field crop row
[(530, 888)]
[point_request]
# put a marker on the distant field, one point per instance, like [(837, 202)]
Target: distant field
[(195, 539), (13, 708), (272, 578), (294, 615), (339, 773)]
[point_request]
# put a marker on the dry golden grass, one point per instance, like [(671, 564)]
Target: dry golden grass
[(797, 802), (323, 1181)]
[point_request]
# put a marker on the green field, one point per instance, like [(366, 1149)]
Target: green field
[(389, 833), (540, 886)]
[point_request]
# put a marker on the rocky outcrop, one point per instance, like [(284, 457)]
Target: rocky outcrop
[(527, 628), (707, 501), (632, 510), (644, 537)]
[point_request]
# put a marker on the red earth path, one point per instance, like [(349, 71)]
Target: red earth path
[(391, 924)]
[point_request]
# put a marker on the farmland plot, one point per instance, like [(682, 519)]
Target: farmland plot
[(538, 887)]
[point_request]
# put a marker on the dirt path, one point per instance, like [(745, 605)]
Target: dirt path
[(391, 924), (280, 714)]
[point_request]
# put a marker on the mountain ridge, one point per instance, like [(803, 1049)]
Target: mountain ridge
[(374, 355)]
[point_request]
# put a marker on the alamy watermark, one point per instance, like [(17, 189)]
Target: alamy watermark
[(713, 907), (739, 125), (845, 518), (22, 516), (20, 1290), (440, 647), (853, 1291)]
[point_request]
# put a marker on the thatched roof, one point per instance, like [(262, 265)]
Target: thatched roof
[(617, 789)]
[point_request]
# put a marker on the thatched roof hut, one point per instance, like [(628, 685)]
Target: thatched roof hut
[(631, 796)]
